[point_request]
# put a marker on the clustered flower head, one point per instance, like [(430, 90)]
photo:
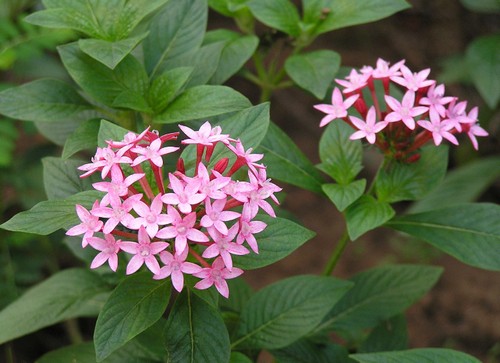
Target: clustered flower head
[(190, 221), (399, 126)]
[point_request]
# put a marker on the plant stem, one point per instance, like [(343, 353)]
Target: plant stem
[(337, 252), (73, 331)]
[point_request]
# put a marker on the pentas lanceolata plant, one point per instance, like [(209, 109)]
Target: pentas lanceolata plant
[(191, 224), (399, 127)]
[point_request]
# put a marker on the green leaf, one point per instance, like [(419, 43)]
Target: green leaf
[(65, 295), (313, 71), (237, 50), (389, 335), (482, 57), (43, 100), (110, 53), (195, 332), (401, 181), (305, 351), (468, 232), (287, 310), (237, 357), (167, 86), (365, 214), (61, 179), (49, 216), (344, 13), (462, 185), (203, 102), (344, 195), (83, 138), (136, 304), (416, 356), (58, 131), (109, 131), (241, 291), (278, 14), (377, 295), (286, 162), (280, 238), (341, 158), (175, 30), (100, 82)]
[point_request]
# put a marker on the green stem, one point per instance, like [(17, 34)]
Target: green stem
[(73, 331), (337, 252), (382, 165)]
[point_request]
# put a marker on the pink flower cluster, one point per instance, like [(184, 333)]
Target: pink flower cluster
[(193, 224), (399, 127)]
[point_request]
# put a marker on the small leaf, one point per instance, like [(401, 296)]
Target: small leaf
[(280, 238), (286, 162), (344, 195), (110, 53), (136, 304), (84, 137), (195, 332), (167, 86), (43, 100), (401, 181), (379, 294), (482, 58), (314, 71), (278, 14), (60, 178), (67, 294), (341, 158), (202, 102), (416, 356), (49, 216), (287, 310), (366, 214), (391, 334), (468, 232)]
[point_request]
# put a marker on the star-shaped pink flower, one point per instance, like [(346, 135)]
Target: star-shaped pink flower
[(405, 110), (216, 215), (369, 128), (248, 228), (118, 213), (149, 217), (90, 223), (413, 81), (176, 266), (206, 135), (438, 128), (338, 107), (217, 275), (152, 152), (185, 193), (224, 246), (109, 248)]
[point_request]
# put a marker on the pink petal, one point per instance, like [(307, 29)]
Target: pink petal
[(135, 264)]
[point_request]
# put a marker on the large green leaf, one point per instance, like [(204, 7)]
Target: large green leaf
[(341, 158), (287, 310), (203, 102), (482, 58), (365, 214), (83, 138), (314, 71), (136, 304), (343, 13), (420, 355), (401, 181), (61, 178), (280, 238), (278, 14), (195, 332), (344, 195), (100, 82), (108, 52), (468, 232), (305, 351), (462, 185), (175, 30), (65, 295), (167, 86), (43, 100), (286, 162), (377, 295), (49, 216)]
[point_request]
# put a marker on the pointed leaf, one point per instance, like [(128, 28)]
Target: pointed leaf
[(287, 310), (344, 195), (468, 232), (49, 216), (313, 71), (65, 295), (195, 332), (202, 102), (176, 29), (110, 53), (61, 179), (167, 86), (341, 158), (43, 100), (278, 14), (416, 356), (379, 294), (84, 137), (366, 214), (136, 304), (280, 238)]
